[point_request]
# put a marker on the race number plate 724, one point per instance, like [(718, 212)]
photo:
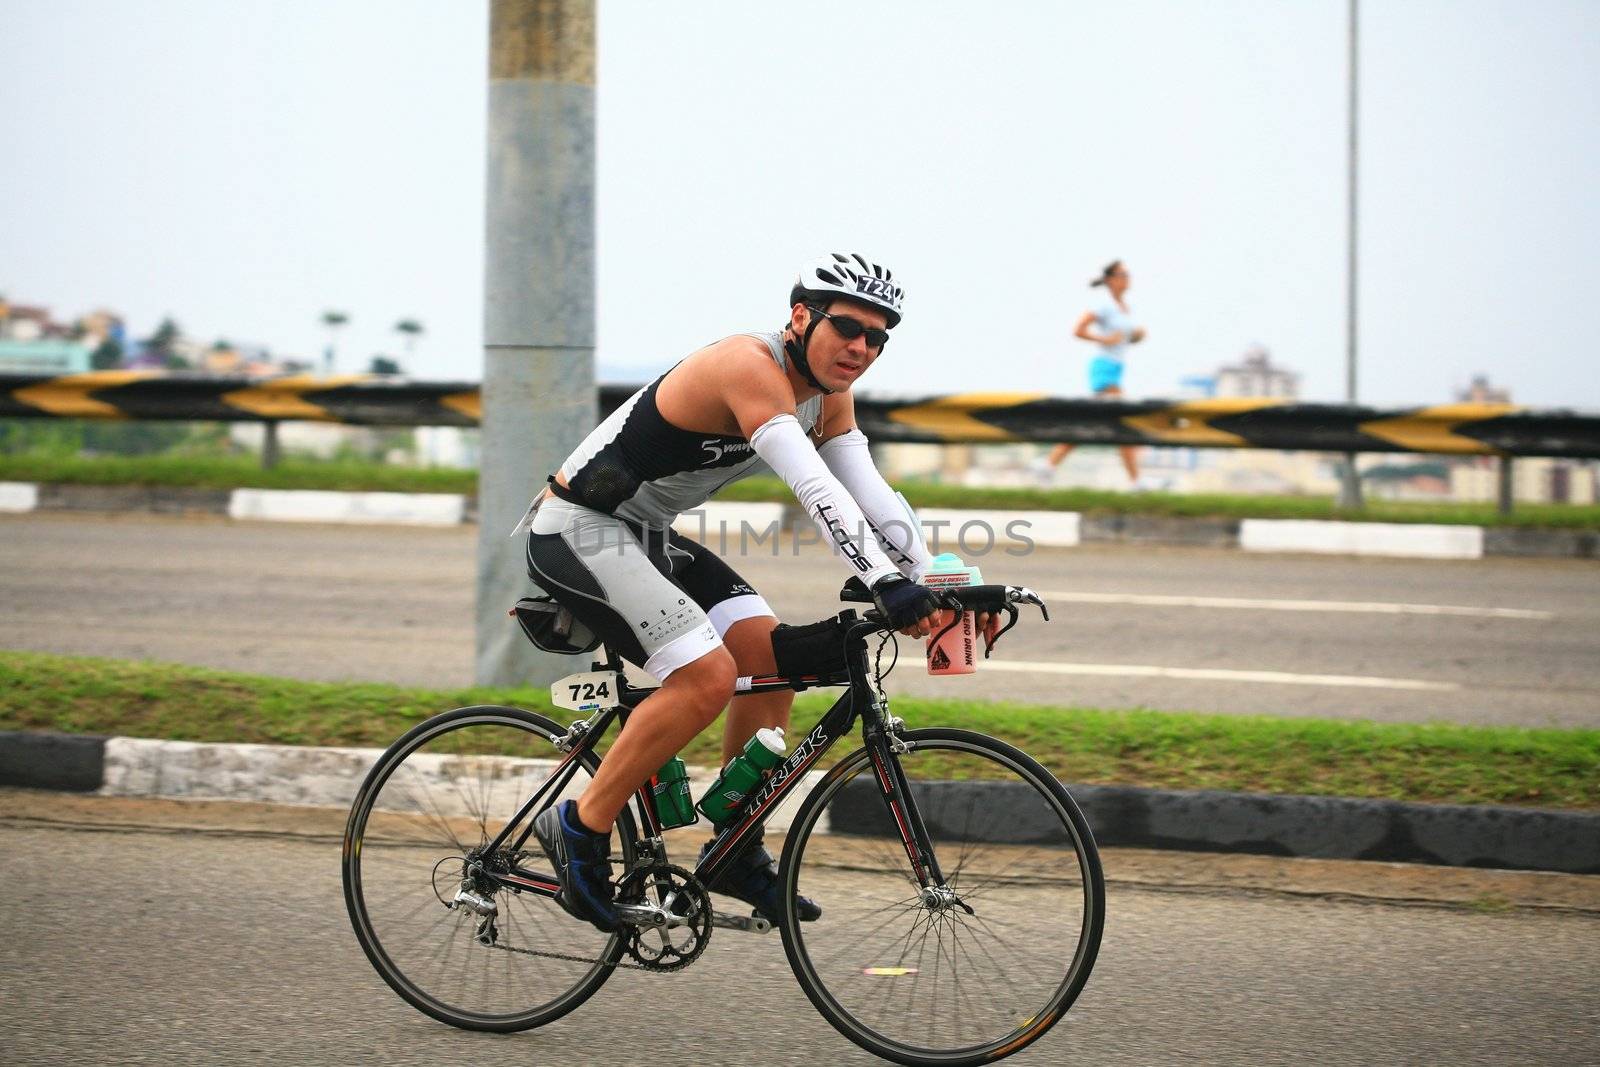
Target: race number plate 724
[(589, 691)]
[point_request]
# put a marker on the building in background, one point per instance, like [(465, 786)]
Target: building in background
[(1243, 471), (31, 342), (252, 361), (1479, 391), (44, 356), (1256, 375), (1534, 480), (1177, 469)]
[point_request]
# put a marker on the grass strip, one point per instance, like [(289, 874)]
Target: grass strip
[(1442, 763), (235, 472), (229, 472)]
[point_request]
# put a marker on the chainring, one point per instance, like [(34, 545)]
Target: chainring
[(667, 948)]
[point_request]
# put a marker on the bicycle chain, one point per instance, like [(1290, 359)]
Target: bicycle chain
[(575, 959), (687, 882)]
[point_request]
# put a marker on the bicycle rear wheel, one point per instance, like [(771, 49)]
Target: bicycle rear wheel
[(426, 811), (963, 977)]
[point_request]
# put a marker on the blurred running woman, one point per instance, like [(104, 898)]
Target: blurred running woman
[(1109, 324)]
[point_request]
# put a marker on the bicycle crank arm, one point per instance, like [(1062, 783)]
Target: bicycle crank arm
[(751, 924), (651, 916)]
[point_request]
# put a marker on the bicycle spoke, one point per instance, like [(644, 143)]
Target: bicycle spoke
[(916, 975), (996, 968), (420, 827), (421, 806)]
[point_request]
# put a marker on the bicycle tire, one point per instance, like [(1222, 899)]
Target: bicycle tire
[(1021, 854), (440, 790)]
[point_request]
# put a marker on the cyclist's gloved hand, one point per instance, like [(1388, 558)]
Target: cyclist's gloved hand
[(902, 601)]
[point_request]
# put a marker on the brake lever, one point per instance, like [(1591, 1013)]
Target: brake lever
[(1024, 594), (953, 606), (1014, 595), (988, 645)]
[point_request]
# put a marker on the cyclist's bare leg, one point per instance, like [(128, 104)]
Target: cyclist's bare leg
[(688, 701), (1059, 453), (753, 875), (750, 641)]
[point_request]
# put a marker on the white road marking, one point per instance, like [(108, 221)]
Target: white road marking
[(1216, 674), (1367, 607)]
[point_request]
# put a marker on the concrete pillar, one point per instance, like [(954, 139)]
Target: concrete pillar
[(538, 374)]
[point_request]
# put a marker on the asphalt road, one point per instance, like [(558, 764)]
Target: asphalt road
[(160, 942), (1487, 641)]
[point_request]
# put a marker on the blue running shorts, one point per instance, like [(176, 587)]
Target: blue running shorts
[(1104, 374)]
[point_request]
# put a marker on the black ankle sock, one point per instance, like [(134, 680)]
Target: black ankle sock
[(583, 827)]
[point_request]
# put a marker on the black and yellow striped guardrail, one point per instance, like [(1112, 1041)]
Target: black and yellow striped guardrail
[(357, 399), (1234, 422), (975, 418)]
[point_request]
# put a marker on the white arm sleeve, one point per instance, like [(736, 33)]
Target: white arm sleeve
[(782, 444), (893, 524)]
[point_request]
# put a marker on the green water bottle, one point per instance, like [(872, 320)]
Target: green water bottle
[(743, 774), (673, 803)]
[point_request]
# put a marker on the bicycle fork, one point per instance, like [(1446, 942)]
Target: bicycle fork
[(883, 748)]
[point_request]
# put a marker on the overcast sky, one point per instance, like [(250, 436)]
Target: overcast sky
[(242, 166)]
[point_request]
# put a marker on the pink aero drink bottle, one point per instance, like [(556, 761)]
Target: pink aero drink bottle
[(956, 652)]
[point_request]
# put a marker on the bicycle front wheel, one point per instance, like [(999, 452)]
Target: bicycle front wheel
[(503, 959), (977, 968)]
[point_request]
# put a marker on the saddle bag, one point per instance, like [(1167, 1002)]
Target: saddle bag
[(553, 628)]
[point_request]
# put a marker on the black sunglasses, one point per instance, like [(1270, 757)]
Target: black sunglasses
[(850, 329)]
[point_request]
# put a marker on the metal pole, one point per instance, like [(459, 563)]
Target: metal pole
[(269, 445), (1507, 493), (1349, 480), (538, 374)]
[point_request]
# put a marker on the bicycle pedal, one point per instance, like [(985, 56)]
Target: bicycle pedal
[(752, 924)]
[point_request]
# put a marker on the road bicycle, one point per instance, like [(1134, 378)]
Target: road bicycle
[(962, 893)]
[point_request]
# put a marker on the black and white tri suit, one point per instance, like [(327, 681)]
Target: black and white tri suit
[(603, 544)]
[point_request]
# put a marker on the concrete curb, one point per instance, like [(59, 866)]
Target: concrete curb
[(1162, 530), (158, 500), (313, 505), (1300, 826), (1361, 538), (73, 763), (1450, 835), (1010, 528), (194, 770)]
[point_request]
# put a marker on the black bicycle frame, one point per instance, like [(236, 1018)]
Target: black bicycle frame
[(859, 699)]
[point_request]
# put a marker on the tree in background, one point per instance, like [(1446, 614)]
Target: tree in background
[(108, 351), (332, 320), (163, 344), (107, 355), (384, 365), (410, 329)]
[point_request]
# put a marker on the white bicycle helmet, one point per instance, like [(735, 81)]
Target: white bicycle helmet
[(841, 274)]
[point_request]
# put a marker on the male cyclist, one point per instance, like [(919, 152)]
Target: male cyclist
[(601, 543)]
